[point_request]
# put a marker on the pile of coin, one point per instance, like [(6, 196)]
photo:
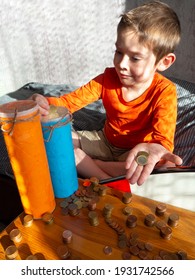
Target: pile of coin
[(143, 250), (107, 210), (166, 232), (63, 252), (114, 224), (149, 220), (131, 221), (48, 218), (73, 209), (166, 255), (173, 220), (93, 218), (85, 196), (161, 209), (11, 252), (127, 210), (107, 250), (127, 197), (31, 257), (159, 224), (102, 190), (15, 235), (28, 220), (67, 236)]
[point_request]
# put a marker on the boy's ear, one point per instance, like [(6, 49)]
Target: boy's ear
[(166, 62)]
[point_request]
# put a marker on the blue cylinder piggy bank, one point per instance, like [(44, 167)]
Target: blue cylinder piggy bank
[(57, 136)]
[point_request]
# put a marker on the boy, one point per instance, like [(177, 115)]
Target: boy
[(140, 104)]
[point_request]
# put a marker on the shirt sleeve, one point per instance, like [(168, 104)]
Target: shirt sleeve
[(81, 97)]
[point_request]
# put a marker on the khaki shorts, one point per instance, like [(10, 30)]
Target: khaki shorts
[(95, 144)]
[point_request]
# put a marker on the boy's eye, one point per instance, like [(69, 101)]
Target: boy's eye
[(134, 58), (118, 52)]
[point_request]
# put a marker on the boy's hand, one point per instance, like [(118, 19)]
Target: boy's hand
[(42, 103), (137, 173)]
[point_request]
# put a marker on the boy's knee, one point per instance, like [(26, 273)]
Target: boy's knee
[(75, 139)]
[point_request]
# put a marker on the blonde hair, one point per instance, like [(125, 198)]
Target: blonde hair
[(156, 25)]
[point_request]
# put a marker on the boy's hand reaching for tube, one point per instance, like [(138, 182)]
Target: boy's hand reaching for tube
[(42, 102)]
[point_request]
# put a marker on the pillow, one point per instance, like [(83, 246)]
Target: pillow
[(185, 128)]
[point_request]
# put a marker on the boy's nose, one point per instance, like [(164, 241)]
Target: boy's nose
[(124, 62)]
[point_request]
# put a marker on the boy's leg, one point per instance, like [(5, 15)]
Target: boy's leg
[(87, 167), (75, 139), (113, 168)]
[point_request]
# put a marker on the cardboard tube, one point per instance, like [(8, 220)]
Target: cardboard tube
[(21, 127), (60, 151)]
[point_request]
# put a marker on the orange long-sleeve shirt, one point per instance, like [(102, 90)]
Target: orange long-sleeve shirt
[(149, 118)]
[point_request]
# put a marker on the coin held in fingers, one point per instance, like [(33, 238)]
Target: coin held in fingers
[(142, 158)]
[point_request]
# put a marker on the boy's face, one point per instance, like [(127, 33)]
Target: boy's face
[(134, 62)]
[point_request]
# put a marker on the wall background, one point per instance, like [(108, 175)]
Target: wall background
[(71, 41)]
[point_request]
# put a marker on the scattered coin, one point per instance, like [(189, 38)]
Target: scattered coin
[(107, 210), (107, 250), (93, 218), (134, 234), (126, 255), (149, 220), (182, 255), (133, 241), (143, 254), (65, 211), (15, 235), (160, 224), (102, 190), (173, 220), (141, 245), (67, 236), (94, 181), (162, 253), (166, 232), (134, 250), (161, 209), (31, 257), (131, 221), (122, 244), (127, 197), (127, 210), (63, 252), (48, 218), (11, 252), (148, 246), (73, 209), (157, 257), (63, 204), (28, 220)]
